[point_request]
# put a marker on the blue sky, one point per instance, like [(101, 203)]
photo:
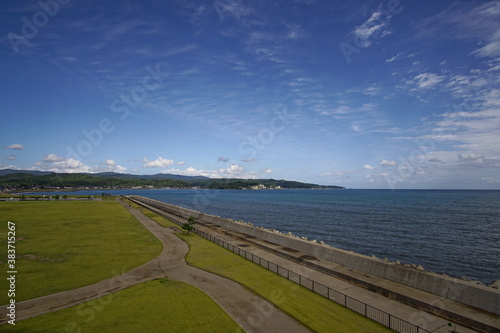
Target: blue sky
[(363, 94)]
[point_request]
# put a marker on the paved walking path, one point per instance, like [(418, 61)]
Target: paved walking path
[(251, 312), (415, 316)]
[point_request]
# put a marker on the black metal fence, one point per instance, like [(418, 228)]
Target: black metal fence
[(368, 311)]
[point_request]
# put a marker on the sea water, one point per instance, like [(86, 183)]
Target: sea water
[(446, 231)]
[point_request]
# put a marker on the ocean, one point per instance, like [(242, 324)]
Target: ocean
[(446, 231)]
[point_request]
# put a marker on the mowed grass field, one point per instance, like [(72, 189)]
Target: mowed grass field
[(311, 309), (156, 306), (171, 306), (63, 245)]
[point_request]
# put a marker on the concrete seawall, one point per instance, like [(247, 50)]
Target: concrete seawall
[(466, 292)]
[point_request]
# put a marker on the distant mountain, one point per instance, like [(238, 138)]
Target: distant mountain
[(108, 175), (146, 177), (26, 179), (236, 183), (31, 172)]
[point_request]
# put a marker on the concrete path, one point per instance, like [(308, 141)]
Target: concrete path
[(413, 315), (251, 312)]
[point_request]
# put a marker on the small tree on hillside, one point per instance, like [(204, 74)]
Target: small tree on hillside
[(189, 225)]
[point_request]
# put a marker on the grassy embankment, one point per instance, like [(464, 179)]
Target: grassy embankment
[(64, 245), (313, 310), (156, 306)]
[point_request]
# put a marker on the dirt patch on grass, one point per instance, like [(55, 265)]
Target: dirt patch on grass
[(34, 257)]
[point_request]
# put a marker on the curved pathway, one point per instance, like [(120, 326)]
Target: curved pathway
[(251, 312)]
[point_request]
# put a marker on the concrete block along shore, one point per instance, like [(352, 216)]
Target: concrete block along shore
[(466, 292)]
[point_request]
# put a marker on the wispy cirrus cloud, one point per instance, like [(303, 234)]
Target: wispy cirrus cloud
[(399, 56), (377, 26), (466, 20), (426, 80), (492, 47)]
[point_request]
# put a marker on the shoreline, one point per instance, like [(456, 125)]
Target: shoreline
[(322, 243), (449, 298), (338, 230)]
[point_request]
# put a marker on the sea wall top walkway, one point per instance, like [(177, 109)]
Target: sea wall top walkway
[(358, 280)]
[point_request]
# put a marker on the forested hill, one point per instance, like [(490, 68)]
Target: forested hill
[(17, 179)]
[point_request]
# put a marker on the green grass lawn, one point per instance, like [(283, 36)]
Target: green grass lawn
[(8, 195), (156, 306), (71, 241), (63, 245), (313, 310)]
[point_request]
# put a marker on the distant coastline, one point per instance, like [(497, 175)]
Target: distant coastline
[(26, 180)]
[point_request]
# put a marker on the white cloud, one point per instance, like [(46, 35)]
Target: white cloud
[(368, 167), (222, 159), (375, 27), (467, 20), (55, 163), (399, 56), (111, 166), (471, 157), (427, 80), (492, 49), (232, 171), (52, 158), (491, 179), (268, 170), (183, 49), (11, 157), (342, 173), (9, 166), (160, 162), (387, 163), (15, 146), (396, 57)]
